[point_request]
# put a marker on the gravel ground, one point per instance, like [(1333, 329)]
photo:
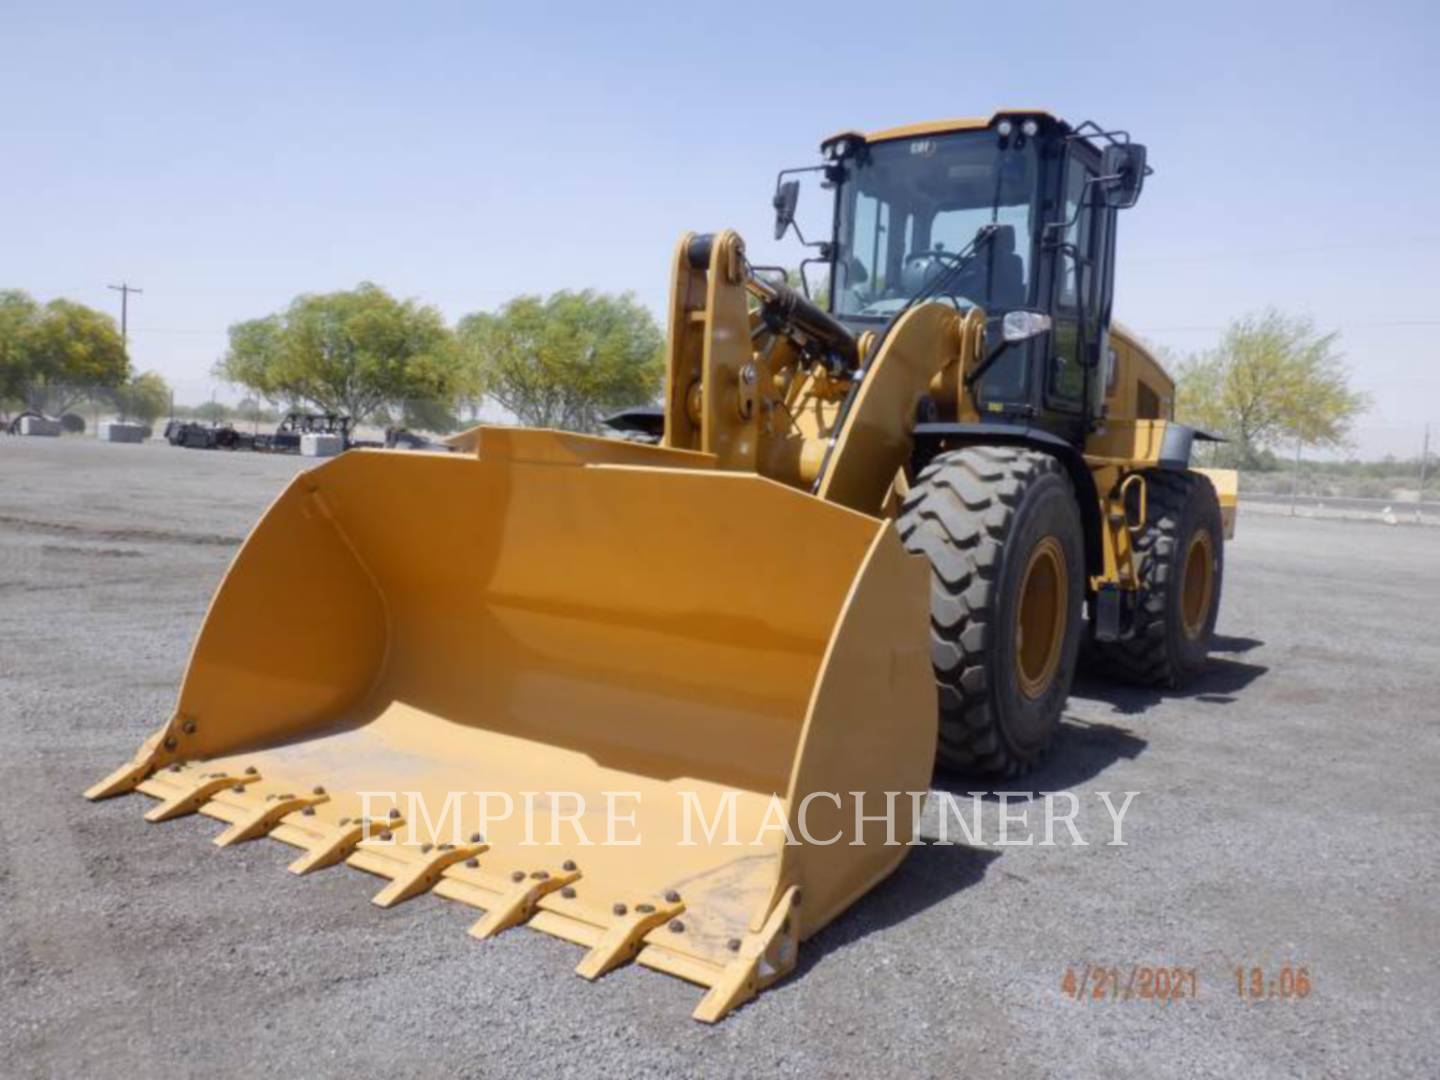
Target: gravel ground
[(1285, 817)]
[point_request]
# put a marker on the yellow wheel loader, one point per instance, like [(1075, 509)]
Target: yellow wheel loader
[(677, 698)]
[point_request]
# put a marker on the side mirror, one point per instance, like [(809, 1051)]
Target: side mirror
[(787, 195), (1123, 172)]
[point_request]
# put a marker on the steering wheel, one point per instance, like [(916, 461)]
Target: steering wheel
[(937, 254), (920, 268)]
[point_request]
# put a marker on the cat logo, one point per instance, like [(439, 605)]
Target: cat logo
[(922, 147)]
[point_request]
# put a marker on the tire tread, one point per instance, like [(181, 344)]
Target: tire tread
[(1145, 658), (959, 514)]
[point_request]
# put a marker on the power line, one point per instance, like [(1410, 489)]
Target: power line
[(177, 330), (1346, 326), (1283, 252)]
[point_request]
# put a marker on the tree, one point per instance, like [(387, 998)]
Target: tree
[(212, 411), (566, 360), (352, 352), (254, 359), (1273, 379), (145, 398), (75, 351), (251, 409), (421, 414), (54, 356), (18, 314)]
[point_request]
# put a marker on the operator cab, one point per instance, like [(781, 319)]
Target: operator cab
[(1013, 214)]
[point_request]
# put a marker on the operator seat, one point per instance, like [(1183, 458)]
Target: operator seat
[(1007, 271)]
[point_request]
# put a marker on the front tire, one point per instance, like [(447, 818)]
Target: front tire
[(1001, 528)]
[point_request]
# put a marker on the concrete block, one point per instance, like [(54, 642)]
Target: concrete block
[(115, 431), (38, 425), (321, 445)]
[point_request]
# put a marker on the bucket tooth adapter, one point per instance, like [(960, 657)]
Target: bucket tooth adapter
[(675, 698)]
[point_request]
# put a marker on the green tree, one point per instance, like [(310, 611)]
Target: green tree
[(75, 351), (256, 354), (212, 411), (354, 352), (566, 360), (54, 356), (144, 397), (1274, 379), (251, 409), (420, 414), (18, 314)]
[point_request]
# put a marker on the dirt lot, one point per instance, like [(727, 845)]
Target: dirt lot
[(1285, 817)]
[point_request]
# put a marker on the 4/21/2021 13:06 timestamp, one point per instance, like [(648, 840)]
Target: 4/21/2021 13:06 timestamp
[(1164, 983)]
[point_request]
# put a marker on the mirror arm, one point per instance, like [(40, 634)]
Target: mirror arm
[(822, 246)]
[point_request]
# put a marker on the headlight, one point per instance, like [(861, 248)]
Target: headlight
[(1029, 129), (1004, 127), (1024, 325)]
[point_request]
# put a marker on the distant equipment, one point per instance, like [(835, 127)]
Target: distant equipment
[(34, 423), (287, 436), (118, 432), (196, 435)]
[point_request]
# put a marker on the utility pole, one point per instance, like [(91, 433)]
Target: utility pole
[(1424, 463), (125, 289), (1295, 478)]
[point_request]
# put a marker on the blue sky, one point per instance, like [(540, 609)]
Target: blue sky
[(227, 158)]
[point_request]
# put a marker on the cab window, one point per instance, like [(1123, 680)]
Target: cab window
[(1075, 286)]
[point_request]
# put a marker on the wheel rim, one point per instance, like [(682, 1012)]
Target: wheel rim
[(1040, 621), (1197, 585)]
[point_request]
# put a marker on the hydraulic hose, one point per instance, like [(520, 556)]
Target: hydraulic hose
[(786, 310)]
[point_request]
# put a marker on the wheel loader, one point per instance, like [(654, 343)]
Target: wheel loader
[(677, 698)]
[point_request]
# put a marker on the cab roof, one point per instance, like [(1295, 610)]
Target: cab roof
[(941, 127)]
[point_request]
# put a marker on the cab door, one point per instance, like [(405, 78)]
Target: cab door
[(1080, 304)]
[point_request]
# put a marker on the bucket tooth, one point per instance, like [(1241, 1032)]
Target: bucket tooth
[(336, 843), (518, 899), (194, 795), (265, 817), (763, 959), (119, 782), (623, 938), (422, 870), (128, 777)]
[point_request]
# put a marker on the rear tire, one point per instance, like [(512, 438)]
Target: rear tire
[(1181, 560), (1001, 528)]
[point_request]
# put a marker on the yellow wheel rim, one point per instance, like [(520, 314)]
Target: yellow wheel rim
[(1040, 622), (1197, 584)]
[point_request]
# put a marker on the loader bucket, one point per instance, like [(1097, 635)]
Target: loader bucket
[(582, 685)]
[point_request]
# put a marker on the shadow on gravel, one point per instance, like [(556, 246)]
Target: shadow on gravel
[(935, 872), (929, 874), (1083, 749), (1224, 643), (1222, 681)]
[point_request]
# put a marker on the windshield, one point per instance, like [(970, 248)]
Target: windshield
[(908, 207)]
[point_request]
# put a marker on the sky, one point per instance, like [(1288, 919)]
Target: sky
[(225, 158)]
